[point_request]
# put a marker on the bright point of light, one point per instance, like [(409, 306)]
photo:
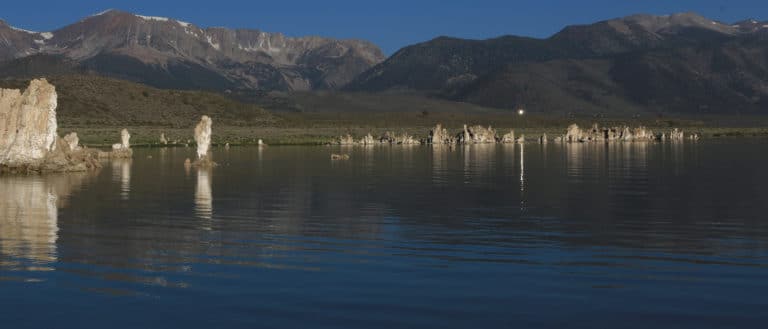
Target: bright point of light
[(520, 112)]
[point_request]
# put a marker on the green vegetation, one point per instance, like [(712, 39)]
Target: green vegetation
[(92, 101), (98, 108)]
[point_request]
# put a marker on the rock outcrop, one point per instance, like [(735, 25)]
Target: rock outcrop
[(597, 134), (346, 140), (406, 139), (28, 139), (574, 134), (27, 124), (509, 138), (477, 135), (73, 142), (203, 140), (676, 135), (121, 150), (368, 140), (439, 135)]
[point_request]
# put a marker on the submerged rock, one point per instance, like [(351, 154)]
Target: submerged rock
[(339, 156), (28, 139)]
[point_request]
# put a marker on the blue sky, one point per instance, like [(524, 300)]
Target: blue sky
[(390, 24)]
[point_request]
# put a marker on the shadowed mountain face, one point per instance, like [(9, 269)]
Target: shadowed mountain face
[(677, 63), (168, 53)]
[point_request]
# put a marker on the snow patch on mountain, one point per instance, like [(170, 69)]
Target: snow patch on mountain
[(44, 35), (101, 13), (153, 18), (23, 30), (213, 44)]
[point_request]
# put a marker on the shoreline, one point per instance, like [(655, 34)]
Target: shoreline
[(148, 136)]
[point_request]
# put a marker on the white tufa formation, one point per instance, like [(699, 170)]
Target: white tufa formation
[(574, 134), (508, 138), (368, 140), (406, 139), (72, 141), (676, 135), (27, 123), (203, 136), (477, 135), (598, 134), (125, 139), (439, 135), (346, 140)]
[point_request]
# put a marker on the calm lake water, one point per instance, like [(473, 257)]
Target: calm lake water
[(627, 235)]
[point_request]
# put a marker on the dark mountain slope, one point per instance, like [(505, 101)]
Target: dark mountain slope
[(677, 63)]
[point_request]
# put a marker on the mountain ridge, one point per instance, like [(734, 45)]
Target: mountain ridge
[(248, 58), (675, 63), (670, 63)]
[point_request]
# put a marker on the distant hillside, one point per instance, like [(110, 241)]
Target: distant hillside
[(681, 63), (86, 100), (169, 53)]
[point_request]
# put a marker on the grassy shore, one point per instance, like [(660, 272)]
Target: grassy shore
[(97, 108), (322, 128)]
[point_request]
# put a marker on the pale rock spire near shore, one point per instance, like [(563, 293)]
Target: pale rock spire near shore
[(203, 136), (28, 123), (125, 138)]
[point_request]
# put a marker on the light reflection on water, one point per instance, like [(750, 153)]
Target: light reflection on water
[(29, 219), (203, 194), (121, 173), (477, 236)]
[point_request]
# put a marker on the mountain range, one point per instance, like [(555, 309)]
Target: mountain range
[(169, 53), (683, 63), (677, 63)]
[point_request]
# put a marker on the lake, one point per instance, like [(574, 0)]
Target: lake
[(621, 235)]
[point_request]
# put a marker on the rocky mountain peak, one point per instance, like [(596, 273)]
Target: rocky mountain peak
[(166, 49)]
